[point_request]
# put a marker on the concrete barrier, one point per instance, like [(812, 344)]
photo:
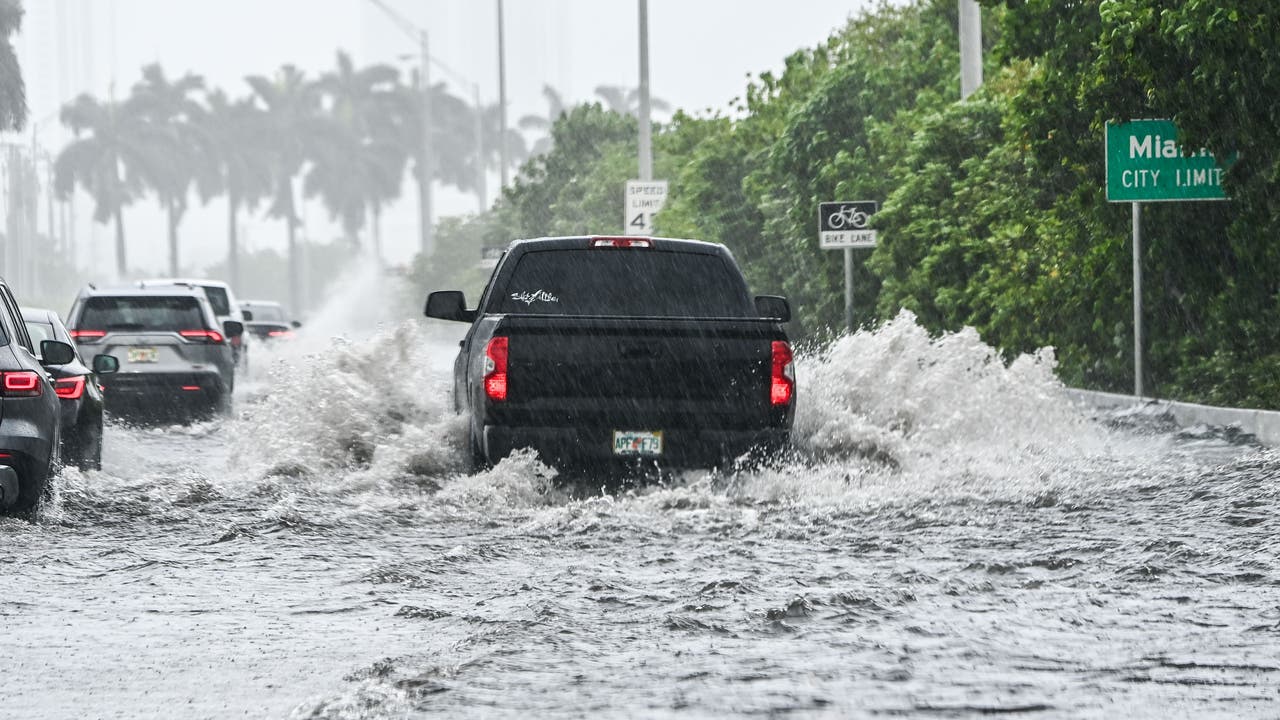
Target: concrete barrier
[(1262, 424)]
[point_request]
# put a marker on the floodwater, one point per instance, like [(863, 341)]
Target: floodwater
[(950, 538)]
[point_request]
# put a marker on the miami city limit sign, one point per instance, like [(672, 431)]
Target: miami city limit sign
[(1145, 163)]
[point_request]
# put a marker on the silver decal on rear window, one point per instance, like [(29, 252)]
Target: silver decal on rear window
[(529, 298)]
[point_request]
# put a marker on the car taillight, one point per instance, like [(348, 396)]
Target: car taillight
[(782, 385), (87, 336), (207, 336), (23, 383), (70, 388), (621, 242), (280, 333), (495, 369)]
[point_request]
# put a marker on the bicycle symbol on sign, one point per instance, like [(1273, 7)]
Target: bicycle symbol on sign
[(848, 216)]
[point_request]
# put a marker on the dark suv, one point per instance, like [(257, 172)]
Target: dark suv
[(175, 358), (30, 413)]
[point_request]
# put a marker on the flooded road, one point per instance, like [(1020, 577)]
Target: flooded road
[(949, 539)]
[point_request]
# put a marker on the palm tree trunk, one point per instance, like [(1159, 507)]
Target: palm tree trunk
[(233, 241), (375, 214), (295, 281), (122, 268), (173, 238)]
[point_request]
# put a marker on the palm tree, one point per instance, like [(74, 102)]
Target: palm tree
[(626, 101), (292, 105), (555, 108), (171, 108), (114, 148), (238, 165), (358, 167), (13, 94), (491, 127)]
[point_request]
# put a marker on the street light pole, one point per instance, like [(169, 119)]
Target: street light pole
[(970, 47), (502, 100), (425, 166), (646, 149)]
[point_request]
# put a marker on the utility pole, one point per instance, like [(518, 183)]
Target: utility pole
[(646, 149), (481, 191), (424, 187), (502, 101), (970, 47), (425, 211)]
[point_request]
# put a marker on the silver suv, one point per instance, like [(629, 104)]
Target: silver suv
[(224, 305), (175, 357)]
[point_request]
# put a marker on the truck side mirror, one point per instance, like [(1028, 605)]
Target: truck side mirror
[(773, 307), (232, 328), (449, 305)]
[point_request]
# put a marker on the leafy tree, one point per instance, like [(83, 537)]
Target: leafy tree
[(13, 93), (238, 167), (113, 147), (556, 107), (626, 101), (292, 129), (173, 112), (358, 166)]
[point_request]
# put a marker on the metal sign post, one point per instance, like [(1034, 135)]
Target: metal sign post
[(844, 225), (1137, 300)]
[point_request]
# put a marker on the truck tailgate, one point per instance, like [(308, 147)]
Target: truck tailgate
[(676, 370)]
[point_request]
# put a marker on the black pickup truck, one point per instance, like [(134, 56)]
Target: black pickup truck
[(621, 351)]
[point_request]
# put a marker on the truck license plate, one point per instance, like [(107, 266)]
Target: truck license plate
[(142, 355), (637, 442)]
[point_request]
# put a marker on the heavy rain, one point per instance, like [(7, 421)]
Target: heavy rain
[(944, 417)]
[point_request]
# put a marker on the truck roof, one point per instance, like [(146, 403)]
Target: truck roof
[(574, 242)]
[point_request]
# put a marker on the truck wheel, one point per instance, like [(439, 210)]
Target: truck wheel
[(476, 461)]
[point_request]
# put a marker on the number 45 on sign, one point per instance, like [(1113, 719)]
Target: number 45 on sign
[(643, 199)]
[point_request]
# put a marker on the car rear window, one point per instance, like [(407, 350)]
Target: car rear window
[(40, 331), (640, 282), (218, 299), (160, 313), (266, 313)]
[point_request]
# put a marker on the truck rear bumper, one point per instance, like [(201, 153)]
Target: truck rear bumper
[(682, 447)]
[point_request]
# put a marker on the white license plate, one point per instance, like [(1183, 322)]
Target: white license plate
[(142, 355), (637, 442)]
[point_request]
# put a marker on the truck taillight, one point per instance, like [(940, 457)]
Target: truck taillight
[(621, 242), (495, 369), (782, 385), (85, 337)]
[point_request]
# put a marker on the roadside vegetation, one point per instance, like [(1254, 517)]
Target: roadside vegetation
[(993, 210)]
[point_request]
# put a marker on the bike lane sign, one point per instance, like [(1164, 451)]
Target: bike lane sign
[(845, 224)]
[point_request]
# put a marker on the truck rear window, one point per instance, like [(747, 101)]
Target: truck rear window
[(638, 282), (141, 314)]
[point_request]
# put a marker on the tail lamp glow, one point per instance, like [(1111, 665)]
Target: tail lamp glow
[(782, 385), (87, 336), (206, 336), (69, 388), (495, 369), (23, 383)]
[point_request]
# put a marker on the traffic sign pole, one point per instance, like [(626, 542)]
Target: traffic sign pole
[(1137, 300), (848, 288)]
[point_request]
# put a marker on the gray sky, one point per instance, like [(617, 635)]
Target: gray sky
[(700, 54)]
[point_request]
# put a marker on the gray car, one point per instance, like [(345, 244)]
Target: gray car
[(175, 357)]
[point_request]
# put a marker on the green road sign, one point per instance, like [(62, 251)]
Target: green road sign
[(1146, 164)]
